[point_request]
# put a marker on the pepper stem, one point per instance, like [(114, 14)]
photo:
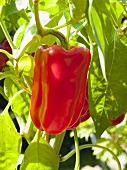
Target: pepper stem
[(58, 142), (66, 157), (43, 31), (77, 164), (7, 34), (37, 19)]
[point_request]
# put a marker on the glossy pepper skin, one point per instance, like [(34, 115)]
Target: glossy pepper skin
[(85, 114), (58, 90)]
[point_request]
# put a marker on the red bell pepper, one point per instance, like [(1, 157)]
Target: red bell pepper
[(4, 45), (85, 114), (58, 90)]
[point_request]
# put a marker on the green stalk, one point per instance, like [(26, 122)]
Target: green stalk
[(68, 32), (43, 31), (27, 132), (68, 23), (37, 19), (77, 164), (28, 82), (7, 34), (66, 157), (21, 53), (6, 53), (58, 142), (12, 99), (60, 36), (37, 136)]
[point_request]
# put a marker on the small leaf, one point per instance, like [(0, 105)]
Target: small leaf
[(40, 155), (5, 74), (2, 2), (19, 35), (49, 40), (20, 104), (77, 8), (28, 35), (10, 143), (2, 93), (97, 86), (49, 6), (26, 65), (117, 10)]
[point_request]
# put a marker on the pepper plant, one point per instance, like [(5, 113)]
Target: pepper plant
[(63, 66)]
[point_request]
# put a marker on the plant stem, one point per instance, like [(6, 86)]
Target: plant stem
[(28, 45), (77, 164), (7, 34), (43, 31), (37, 19), (12, 99), (66, 157), (37, 136), (80, 28), (60, 36), (68, 23), (27, 132), (68, 32), (28, 82), (22, 86), (6, 53), (58, 142)]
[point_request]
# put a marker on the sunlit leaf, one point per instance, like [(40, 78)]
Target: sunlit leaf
[(10, 143), (2, 2), (77, 8), (40, 155), (108, 99), (26, 65), (49, 6), (20, 104)]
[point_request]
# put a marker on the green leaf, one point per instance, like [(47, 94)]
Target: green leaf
[(101, 22), (49, 40), (10, 8), (97, 87), (116, 70), (2, 93), (20, 104), (117, 10), (49, 6), (10, 143), (28, 35), (5, 74), (77, 8), (15, 6), (40, 155), (108, 82), (54, 20), (26, 65), (1, 35), (97, 28), (31, 5), (19, 35), (2, 2), (108, 97)]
